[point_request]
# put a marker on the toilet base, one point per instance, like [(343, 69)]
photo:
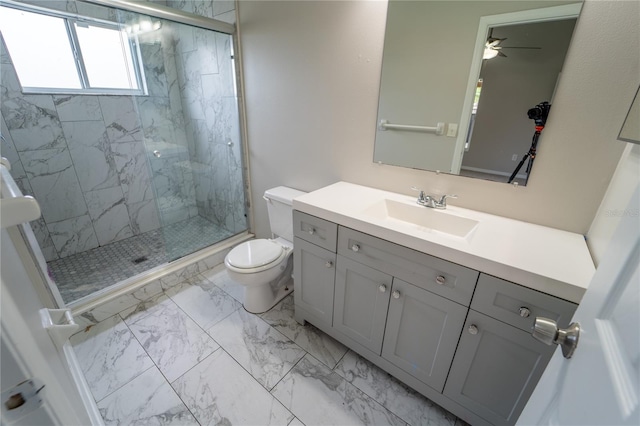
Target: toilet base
[(260, 299)]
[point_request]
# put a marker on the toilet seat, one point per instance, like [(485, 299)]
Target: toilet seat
[(255, 256)]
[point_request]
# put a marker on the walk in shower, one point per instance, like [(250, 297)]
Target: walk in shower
[(126, 129)]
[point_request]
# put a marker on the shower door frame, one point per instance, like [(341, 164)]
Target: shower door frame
[(181, 17)]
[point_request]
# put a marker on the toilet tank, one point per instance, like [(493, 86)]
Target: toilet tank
[(279, 201)]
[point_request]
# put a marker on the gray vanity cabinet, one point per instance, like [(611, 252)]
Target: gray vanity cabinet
[(422, 332), (360, 303), (314, 276), (460, 337), (495, 369)]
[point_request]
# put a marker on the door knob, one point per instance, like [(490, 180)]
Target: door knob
[(524, 312), (355, 248), (546, 331), (382, 288), (329, 264), (440, 279), (396, 294), (473, 329), (311, 231)]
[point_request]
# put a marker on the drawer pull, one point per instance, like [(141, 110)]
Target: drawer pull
[(329, 264), (525, 312), (355, 247), (473, 329), (382, 288), (441, 279), (396, 294), (311, 231)]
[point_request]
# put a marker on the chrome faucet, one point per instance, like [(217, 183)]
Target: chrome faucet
[(431, 201)]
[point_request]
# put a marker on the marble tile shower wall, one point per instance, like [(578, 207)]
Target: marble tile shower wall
[(84, 157)]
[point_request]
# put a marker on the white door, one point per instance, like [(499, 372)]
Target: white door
[(600, 384), (40, 381), (30, 354)]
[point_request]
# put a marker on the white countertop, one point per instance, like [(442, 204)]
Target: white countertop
[(544, 259)]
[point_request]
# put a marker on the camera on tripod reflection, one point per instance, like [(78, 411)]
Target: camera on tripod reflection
[(539, 113)]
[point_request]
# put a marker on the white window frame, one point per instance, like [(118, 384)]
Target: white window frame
[(70, 20)]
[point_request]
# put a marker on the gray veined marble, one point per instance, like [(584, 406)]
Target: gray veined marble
[(33, 122), (146, 400), (40, 230), (54, 182), (91, 152), (173, 341), (77, 107), (108, 214), (109, 356), (264, 352), (219, 276), (120, 114), (219, 392), (143, 216), (130, 159), (320, 345), (316, 395), (203, 301), (403, 401), (73, 235)]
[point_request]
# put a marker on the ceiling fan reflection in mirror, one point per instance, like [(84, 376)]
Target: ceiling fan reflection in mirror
[(492, 47)]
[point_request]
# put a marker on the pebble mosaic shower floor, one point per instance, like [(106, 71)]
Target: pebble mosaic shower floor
[(85, 273)]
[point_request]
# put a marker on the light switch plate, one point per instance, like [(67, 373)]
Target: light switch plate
[(452, 130)]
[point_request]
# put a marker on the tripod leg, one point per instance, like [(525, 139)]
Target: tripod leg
[(515, 172)]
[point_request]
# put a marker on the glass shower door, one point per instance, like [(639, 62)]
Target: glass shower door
[(190, 122)]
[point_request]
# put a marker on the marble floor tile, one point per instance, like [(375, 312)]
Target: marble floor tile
[(218, 391), (173, 341), (205, 303), (401, 400), (318, 396), (220, 278), (261, 350), (146, 400), (109, 356), (320, 345)]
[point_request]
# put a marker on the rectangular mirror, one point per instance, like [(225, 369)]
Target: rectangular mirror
[(463, 76)]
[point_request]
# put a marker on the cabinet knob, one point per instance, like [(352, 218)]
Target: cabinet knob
[(473, 329), (396, 294), (329, 264), (382, 288), (440, 279), (355, 247), (525, 312), (311, 231)]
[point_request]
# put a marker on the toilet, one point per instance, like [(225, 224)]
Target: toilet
[(262, 266)]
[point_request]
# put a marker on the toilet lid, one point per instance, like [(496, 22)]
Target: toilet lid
[(254, 253)]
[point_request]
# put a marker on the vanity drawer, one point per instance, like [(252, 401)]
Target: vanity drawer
[(315, 230), (518, 305), (438, 276)]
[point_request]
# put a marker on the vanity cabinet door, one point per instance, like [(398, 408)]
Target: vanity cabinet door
[(422, 332), (495, 369), (313, 278), (361, 302)]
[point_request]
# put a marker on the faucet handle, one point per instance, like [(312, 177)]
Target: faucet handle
[(422, 197)]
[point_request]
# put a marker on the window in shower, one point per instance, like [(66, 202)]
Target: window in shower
[(70, 55)]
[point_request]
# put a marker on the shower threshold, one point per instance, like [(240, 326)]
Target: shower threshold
[(85, 273)]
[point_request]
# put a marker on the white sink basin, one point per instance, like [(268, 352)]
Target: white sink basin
[(422, 218)]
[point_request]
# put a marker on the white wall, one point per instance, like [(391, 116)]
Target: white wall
[(312, 73)]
